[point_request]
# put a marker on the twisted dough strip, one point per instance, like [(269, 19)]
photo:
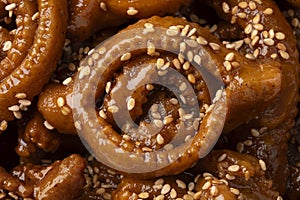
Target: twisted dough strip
[(222, 173), (30, 74), (59, 180), (253, 81), (88, 16)]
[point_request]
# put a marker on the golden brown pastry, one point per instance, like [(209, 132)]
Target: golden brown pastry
[(32, 55)]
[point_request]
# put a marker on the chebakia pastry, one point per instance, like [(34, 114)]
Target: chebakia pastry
[(170, 102)]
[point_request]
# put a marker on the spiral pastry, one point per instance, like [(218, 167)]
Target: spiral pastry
[(258, 75), (88, 16), (30, 52)]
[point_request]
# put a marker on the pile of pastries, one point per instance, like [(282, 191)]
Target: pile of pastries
[(169, 99)]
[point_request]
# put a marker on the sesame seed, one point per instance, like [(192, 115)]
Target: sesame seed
[(180, 184), (280, 36), (20, 95), (281, 46), (197, 195), (284, 54), (48, 125), (132, 11), (176, 63), (130, 104), (162, 73), (214, 191), (254, 33), (233, 19), (166, 66), (159, 197), (240, 147), (17, 114), (103, 6), (11, 6), (248, 29), (125, 56), (250, 56), (14, 108), (255, 133), (173, 193), (258, 1), (269, 41), (255, 40), (7, 46), (234, 10), (227, 65), (225, 7), (256, 19), (24, 102), (172, 31), (144, 195), (201, 40), (268, 11), (213, 28), (107, 196), (191, 186), (102, 114), (295, 22), (191, 78), (243, 4), (65, 110), (186, 65), (60, 102), (273, 56), (107, 87), (12, 195), (190, 56), (182, 86), (252, 5), (35, 16), (206, 185), (271, 33), (185, 30), (165, 189), (242, 15), (234, 191), (67, 81), (234, 168), (159, 139), (3, 125), (181, 58), (222, 157), (149, 87), (259, 27), (229, 56), (192, 32), (77, 125), (279, 198), (262, 165), (214, 46), (248, 143), (229, 177), (197, 59), (159, 181), (191, 43), (113, 109)]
